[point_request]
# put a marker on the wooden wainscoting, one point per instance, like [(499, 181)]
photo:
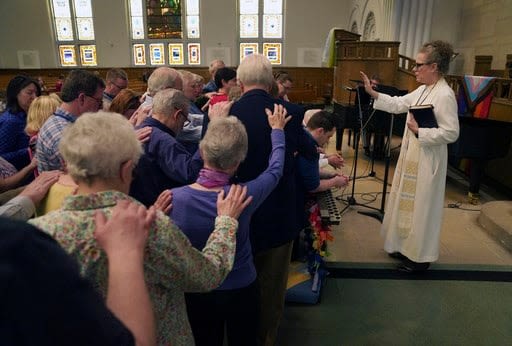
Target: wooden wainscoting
[(310, 84)]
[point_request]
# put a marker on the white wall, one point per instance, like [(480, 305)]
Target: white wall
[(476, 27), (485, 30), (25, 25)]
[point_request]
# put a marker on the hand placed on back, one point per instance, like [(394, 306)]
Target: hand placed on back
[(278, 119), (234, 203)]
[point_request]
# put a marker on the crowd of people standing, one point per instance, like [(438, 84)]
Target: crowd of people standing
[(218, 190)]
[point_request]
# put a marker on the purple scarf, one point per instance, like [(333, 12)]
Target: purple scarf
[(210, 178)]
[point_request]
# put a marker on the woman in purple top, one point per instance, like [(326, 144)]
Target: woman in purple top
[(235, 303)]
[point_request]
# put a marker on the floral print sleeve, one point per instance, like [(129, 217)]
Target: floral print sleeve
[(186, 267)]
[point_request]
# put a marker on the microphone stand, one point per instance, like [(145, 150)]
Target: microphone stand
[(379, 213), (351, 199)]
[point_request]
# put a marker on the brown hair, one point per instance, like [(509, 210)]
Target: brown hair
[(125, 100)]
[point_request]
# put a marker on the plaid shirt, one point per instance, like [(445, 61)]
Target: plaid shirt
[(47, 147)]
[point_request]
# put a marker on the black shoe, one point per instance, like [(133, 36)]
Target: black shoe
[(397, 255), (409, 266)]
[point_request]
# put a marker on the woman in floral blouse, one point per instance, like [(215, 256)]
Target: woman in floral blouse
[(100, 151)]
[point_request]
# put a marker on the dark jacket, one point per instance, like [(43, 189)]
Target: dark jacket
[(274, 223), (165, 164)]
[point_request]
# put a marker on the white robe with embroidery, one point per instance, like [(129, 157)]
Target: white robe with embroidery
[(420, 242)]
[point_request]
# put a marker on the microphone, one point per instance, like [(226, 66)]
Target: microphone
[(356, 81)]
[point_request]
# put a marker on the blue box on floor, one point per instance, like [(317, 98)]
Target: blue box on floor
[(302, 287)]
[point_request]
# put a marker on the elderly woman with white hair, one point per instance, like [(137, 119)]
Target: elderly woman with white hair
[(235, 303), (100, 150)]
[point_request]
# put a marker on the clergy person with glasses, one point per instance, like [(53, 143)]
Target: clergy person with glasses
[(413, 219)]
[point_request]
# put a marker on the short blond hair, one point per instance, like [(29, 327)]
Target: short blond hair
[(39, 111), (97, 144)]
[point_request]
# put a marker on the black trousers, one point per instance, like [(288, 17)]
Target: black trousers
[(236, 310)]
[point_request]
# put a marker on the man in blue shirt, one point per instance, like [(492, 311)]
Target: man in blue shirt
[(82, 92), (166, 163), (320, 128)]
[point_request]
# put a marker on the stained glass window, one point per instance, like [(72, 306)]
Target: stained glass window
[(248, 49), (156, 54), (262, 21), (272, 26), (67, 55), (139, 54), (248, 25), (176, 54), (88, 55), (249, 6), (194, 54), (74, 25), (273, 52), (172, 23), (64, 28)]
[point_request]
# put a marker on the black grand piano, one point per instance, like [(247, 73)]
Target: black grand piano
[(376, 123), (480, 140)]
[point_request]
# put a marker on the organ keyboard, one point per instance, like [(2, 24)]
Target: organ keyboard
[(329, 212)]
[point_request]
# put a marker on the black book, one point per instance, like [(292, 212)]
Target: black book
[(424, 115)]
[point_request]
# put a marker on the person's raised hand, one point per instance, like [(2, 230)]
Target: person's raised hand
[(278, 119), (234, 203), (368, 85)]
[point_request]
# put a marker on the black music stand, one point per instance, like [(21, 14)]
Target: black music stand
[(357, 134), (379, 213)]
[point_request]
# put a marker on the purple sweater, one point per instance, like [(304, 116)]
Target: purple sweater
[(194, 212)]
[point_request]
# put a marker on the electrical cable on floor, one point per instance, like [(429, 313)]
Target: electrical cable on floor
[(364, 196), (457, 205)]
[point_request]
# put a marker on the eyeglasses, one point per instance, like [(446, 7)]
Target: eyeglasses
[(117, 86), (98, 101), (186, 122), (419, 64)]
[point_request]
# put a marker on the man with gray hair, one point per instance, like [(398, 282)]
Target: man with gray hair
[(166, 163), (162, 78), (274, 225)]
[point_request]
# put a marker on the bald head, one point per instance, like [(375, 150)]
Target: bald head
[(164, 78)]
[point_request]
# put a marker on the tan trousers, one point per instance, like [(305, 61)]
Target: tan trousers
[(272, 269)]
